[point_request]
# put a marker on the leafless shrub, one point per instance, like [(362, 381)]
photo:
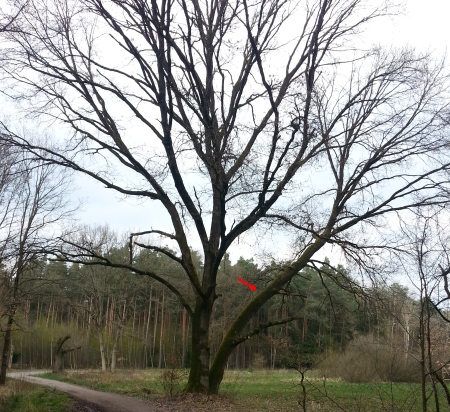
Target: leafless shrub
[(366, 360)]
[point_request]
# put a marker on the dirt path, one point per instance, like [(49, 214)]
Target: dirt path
[(90, 400)]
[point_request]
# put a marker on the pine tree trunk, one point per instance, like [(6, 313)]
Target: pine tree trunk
[(146, 329), (54, 313), (155, 328), (132, 335), (161, 334), (48, 314), (183, 336)]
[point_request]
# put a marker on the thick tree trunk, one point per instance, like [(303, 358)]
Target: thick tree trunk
[(58, 360), (229, 342), (6, 349), (8, 329), (59, 353), (199, 372)]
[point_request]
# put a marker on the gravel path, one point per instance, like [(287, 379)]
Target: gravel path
[(89, 400)]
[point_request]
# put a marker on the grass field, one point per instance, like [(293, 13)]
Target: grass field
[(20, 396), (259, 391)]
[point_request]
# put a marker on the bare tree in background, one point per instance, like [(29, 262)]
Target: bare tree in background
[(430, 253), (32, 202), (236, 115)]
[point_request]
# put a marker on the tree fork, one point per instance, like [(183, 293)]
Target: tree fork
[(231, 339)]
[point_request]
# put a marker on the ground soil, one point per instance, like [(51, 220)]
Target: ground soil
[(82, 406)]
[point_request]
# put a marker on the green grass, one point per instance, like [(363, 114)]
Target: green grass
[(19, 396), (264, 391)]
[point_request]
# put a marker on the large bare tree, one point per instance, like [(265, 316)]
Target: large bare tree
[(32, 202), (235, 115)]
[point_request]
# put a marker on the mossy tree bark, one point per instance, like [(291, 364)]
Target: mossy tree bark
[(233, 337), (198, 380)]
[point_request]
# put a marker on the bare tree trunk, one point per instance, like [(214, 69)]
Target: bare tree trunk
[(183, 336), (11, 314), (27, 311), (58, 363), (5, 353), (407, 334), (102, 348), (54, 312), (422, 356), (274, 355), (106, 324), (89, 326), (121, 323), (48, 314), (155, 328), (38, 314), (10, 358), (111, 314), (133, 336), (161, 333), (51, 349), (114, 349), (146, 329)]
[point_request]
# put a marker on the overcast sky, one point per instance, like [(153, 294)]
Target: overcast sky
[(424, 25)]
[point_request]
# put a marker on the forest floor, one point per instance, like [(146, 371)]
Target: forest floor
[(275, 391)]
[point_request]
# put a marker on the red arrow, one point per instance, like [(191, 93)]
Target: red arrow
[(250, 286)]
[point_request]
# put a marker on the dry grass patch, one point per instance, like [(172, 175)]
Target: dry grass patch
[(23, 396), (15, 387)]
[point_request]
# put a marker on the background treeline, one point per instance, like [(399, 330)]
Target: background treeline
[(122, 320)]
